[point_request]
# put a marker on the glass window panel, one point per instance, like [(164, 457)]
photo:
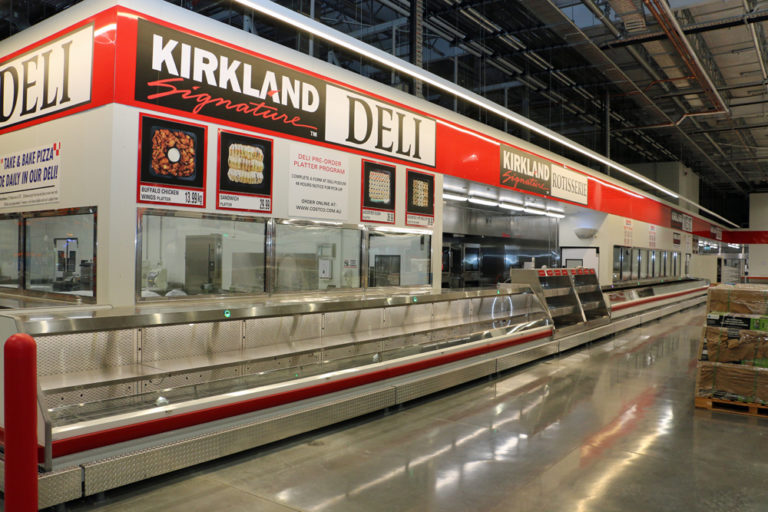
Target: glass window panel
[(399, 259), (60, 253), (196, 255), (626, 263), (616, 263), (644, 263), (316, 257), (635, 263), (9, 252)]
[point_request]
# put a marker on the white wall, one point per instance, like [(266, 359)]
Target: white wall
[(758, 220), (610, 232), (675, 176), (84, 177)]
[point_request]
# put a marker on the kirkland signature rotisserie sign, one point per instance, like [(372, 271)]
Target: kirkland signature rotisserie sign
[(526, 171), (200, 77)]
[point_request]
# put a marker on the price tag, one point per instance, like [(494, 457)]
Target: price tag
[(382, 216), (242, 202), (169, 195), (419, 220)]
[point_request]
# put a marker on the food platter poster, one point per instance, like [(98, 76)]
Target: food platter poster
[(420, 199), (421, 193), (378, 192), (244, 172), (171, 162)]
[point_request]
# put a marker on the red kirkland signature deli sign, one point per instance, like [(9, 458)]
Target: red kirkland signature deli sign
[(193, 75)]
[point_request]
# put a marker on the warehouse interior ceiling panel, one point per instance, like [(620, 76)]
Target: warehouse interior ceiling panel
[(640, 81)]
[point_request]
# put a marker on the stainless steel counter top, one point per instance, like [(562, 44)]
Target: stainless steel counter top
[(64, 319)]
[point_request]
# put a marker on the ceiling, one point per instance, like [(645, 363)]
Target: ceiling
[(638, 80)]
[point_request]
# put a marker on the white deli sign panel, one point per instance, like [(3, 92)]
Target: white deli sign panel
[(361, 122), (318, 183), (569, 185), (30, 176), (50, 78)]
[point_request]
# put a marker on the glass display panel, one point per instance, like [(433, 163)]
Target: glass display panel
[(644, 263), (9, 252), (399, 259), (664, 260), (316, 257), (626, 263), (193, 255), (675, 264), (59, 253), (471, 258), (616, 263), (635, 263)]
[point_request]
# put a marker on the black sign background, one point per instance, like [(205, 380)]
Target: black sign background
[(430, 181), (291, 120), (386, 169), (147, 175), (225, 185)]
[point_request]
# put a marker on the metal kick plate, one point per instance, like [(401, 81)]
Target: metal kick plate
[(428, 385), (525, 356), (55, 487), (118, 471)]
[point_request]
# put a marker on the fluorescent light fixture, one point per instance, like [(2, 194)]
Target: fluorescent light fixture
[(534, 211), (484, 202), (454, 197), (508, 206), (555, 215), (486, 195), (455, 188), (348, 42), (555, 209), (402, 231), (734, 246)]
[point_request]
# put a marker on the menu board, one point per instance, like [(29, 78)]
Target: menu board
[(171, 162), (420, 203), (244, 180), (378, 194)]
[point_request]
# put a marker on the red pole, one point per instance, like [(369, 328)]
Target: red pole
[(20, 381)]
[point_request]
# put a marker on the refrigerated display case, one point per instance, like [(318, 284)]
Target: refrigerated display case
[(162, 389), (572, 296)]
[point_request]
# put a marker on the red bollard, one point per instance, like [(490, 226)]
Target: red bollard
[(20, 381)]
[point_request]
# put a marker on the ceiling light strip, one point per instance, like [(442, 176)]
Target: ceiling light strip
[(331, 35)]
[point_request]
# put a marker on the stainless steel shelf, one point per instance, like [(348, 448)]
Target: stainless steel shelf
[(562, 311), (556, 292)]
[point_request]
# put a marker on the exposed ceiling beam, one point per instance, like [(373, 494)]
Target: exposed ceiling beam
[(730, 22)]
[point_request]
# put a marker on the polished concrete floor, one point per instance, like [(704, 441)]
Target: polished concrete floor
[(608, 427)]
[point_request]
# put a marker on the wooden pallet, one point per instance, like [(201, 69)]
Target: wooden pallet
[(733, 407)]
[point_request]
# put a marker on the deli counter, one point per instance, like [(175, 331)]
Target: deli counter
[(160, 387)]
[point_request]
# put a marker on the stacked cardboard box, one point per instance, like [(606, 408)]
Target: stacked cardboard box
[(734, 351)]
